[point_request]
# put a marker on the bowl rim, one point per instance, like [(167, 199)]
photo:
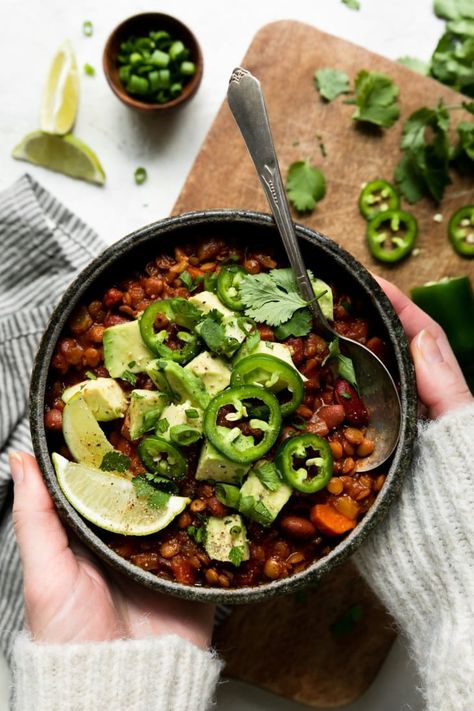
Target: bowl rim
[(146, 106), (401, 458)]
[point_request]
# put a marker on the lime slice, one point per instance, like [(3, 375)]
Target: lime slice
[(109, 501), (61, 93), (83, 435), (64, 154)]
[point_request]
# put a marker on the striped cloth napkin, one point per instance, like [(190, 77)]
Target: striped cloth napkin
[(43, 246)]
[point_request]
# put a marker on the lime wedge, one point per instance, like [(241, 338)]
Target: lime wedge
[(109, 501), (83, 435), (64, 154), (61, 93)]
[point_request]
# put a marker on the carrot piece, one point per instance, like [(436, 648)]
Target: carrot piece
[(329, 521)]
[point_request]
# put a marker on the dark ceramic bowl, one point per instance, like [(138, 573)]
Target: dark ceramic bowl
[(328, 260), (140, 25)]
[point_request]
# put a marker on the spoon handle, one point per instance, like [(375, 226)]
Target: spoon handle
[(247, 104)]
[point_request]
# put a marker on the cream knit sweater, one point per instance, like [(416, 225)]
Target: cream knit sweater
[(420, 561)]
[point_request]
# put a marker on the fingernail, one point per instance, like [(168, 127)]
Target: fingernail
[(428, 347), (16, 466)]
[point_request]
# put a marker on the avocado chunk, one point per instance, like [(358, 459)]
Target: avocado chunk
[(213, 371), (207, 301), (185, 384), (103, 396), (178, 414), (145, 409), (124, 349), (222, 336), (214, 466), (323, 293), (226, 539), (260, 503), (277, 350)]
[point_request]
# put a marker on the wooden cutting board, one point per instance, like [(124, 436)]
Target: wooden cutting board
[(286, 645)]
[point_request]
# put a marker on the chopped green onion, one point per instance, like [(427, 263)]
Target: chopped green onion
[(87, 28), (89, 70), (140, 175), (155, 67)]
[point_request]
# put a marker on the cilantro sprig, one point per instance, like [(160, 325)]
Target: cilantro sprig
[(331, 82), (154, 497), (376, 99), (305, 184), (115, 461), (271, 297)]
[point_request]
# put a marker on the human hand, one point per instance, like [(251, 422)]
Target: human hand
[(69, 597), (439, 379)]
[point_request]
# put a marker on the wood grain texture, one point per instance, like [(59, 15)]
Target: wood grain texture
[(286, 645), (283, 645), (284, 56)]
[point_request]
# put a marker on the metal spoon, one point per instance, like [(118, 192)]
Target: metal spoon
[(375, 383)]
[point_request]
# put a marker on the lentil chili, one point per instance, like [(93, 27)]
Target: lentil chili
[(301, 533)]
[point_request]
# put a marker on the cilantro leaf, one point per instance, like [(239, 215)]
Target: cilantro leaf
[(453, 9), (299, 325), (228, 495), (331, 83), (115, 462), (144, 490), (416, 65), (351, 4), (305, 184), (129, 377), (268, 475), (345, 366), (452, 62), (256, 510), (236, 555), (189, 282), (424, 168), (272, 297), (212, 331), (463, 153), (197, 533), (376, 97)]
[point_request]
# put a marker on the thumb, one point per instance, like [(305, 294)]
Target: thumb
[(42, 540), (440, 382)]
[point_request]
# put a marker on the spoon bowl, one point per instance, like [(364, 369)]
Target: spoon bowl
[(375, 384)]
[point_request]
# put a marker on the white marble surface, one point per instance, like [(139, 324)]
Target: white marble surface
[(30, 32)]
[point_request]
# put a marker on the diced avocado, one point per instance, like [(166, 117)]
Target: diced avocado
[(124, 349), (207, 301), (213, 465), (178, 415), (154, 370), (185, 384), (213, 371), (145, 409), (259, 503), (226, 539), (277, 350), (82, 434), (323, 293), (103, 396)]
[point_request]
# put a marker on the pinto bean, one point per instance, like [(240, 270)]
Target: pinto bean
[(71, 350), (298, 527), (53, 420), (153, 286), (112, 298), (333, 415)]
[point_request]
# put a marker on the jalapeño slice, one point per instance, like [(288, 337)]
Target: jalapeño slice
[(461, 231), (160, 457), (378, 196), (228, 286), (178, 311), (259, 412), (272, 374), (391, 235), (305, 462)]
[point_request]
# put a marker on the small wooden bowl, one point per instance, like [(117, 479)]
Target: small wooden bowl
[(140, 25)]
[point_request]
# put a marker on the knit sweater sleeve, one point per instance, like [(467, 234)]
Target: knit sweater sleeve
[(420, 561), (166, 673)]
